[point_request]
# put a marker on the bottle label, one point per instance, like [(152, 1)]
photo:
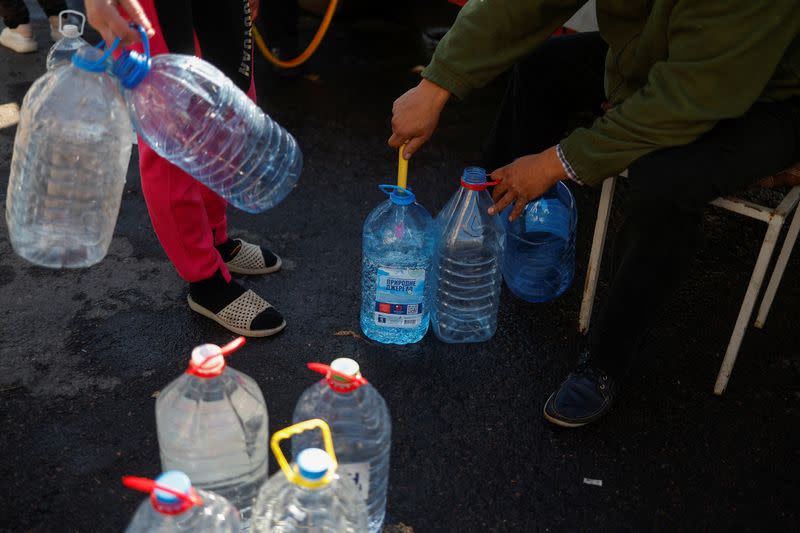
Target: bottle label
[(399, 296), (359, 474)]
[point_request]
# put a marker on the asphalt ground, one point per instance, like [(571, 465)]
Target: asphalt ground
[(84, 352)]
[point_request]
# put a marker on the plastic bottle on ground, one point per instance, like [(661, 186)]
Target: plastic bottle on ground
[(212, 424), (192, 115), (309, 496), (398, 247), (539, 258), (361, 428), (468, 260), (71, 154), (175, 506), (61, 52)]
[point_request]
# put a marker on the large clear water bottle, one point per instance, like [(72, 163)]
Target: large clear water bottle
[(62, 51), (539, 258), (398, 247), (191, 114), (175, 506), (468, 271), (212, 424), (71, 153), (361, 426), (309, 496)]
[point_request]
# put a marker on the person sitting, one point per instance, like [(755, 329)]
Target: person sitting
[(696, 99)]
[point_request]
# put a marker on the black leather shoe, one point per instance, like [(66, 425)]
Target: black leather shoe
[(585, 396)]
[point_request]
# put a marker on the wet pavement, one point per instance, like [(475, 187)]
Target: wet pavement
[(84, 353)]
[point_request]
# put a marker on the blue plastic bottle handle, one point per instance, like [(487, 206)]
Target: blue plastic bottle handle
[(398, 195), (132, 67)]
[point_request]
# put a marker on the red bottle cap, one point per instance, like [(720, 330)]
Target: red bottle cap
[(166, 499)]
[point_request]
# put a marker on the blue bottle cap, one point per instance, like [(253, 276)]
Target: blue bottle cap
[(313, 463), (175, 480), (398, 195), (93, 59)]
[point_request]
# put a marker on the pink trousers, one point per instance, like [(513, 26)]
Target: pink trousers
[(188, 218)]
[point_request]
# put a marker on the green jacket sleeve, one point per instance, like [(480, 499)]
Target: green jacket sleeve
[(721, 56), (489, 36)]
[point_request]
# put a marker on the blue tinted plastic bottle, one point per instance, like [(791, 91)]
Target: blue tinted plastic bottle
[(192, 115), (469, 251), (539, 261), (398, 246)]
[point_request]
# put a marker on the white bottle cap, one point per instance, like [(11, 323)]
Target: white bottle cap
[(70, 30), (345, 366)]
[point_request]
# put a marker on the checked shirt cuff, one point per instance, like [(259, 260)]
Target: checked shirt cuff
[(567, 167)]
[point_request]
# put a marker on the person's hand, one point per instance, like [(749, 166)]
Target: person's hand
[(525, 179), (415, 116), (104, 17)]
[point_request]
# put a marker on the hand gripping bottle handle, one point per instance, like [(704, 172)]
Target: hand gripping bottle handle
[(291, 474)]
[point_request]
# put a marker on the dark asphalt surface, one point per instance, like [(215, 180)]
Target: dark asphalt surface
[(84, 352)]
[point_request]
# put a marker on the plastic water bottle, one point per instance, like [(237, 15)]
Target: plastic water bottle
[(361, 427), (192, 115), (468, 264), (398, 246), (308, 496), (62, 51), (174, 506), (71, 153), (212, 424), (539, 259)]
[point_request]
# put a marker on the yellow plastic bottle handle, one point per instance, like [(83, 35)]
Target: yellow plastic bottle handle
[(291, 473), (402, 170)]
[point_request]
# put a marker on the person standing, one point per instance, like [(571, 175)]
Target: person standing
[(189, 219)]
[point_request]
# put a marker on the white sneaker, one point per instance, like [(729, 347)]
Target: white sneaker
[(17, 42)]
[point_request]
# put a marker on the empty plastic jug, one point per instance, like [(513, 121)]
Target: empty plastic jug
[(361, 427), (174, 506), (308, 496), (212, 424), (539, 259), (192, 115), (468, 271), (62, 51), (398, 246), (71, 154)]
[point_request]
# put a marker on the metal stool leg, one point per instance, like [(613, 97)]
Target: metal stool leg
[(780, 267), (759, 272), (596, 255)]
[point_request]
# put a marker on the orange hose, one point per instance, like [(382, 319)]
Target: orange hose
[(308, 52)]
